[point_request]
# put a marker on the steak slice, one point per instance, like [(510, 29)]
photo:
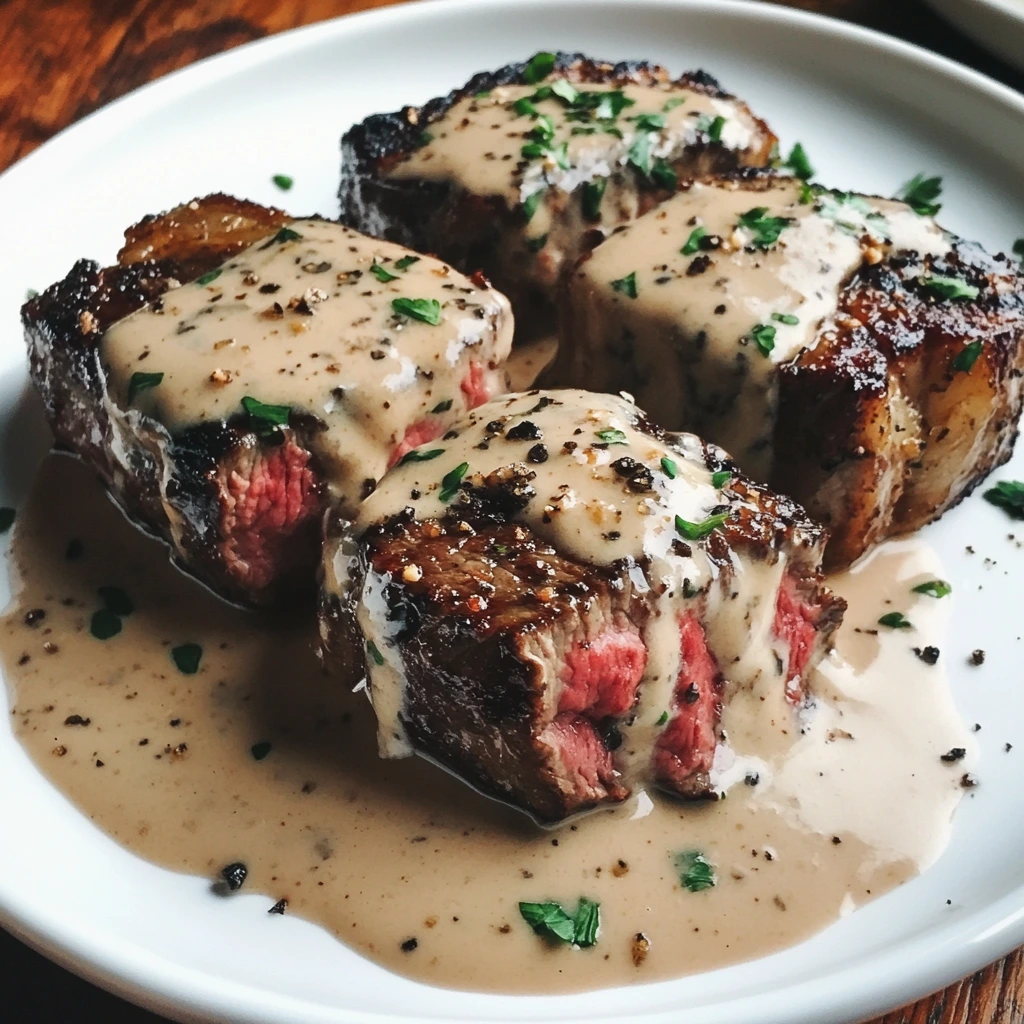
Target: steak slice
[(221, 413), (522, 169), (558, 606), (844, 348)]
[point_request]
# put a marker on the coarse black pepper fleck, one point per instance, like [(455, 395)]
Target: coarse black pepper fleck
[(34, 615), (698, 265), (538, 453), (956, 754), (526, 430), (968, 781), (235, 875), (929, 655), (409, 946), (691, 694), (977, 657), (77, 720), (279, 907)]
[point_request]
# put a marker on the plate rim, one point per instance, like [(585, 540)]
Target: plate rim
[(156, 983)]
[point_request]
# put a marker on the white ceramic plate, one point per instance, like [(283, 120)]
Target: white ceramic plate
[(871, 112), (996, 24)]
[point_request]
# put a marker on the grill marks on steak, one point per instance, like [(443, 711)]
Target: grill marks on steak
[(883, 432)]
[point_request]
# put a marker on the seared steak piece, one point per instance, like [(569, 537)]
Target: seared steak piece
[(844, 348), (556, 606), (237, 367), (522, 169)]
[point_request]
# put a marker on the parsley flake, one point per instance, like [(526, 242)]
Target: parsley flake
[(611, 435), (895, 620), (593, 193), (964, 360), (524, 107), (671, 104), (693, 242), (283, 181), (1009, 496), (640, 154), (786, 318), (799, 163), (426, 310), (104, 624), (550, 921), (142, 382), (721, 478), (565, 91), (374, 652), (669, 468), (663, 176), (711, 127), (765, 229), (648, 122), (920, 194), (187, 658), (949, 287), (695, 531), (662, 719), (266, 419), (530, 203), (286, 235), (406, 262), (626, 285), (209, 276), (539, 66), (696, 872), (442, 406), (381, 273), (933, 588), (419, 455), (451, 480), (764, 336)]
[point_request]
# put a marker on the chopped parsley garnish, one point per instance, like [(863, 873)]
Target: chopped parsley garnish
[(648, 122), (934, 588), (539, 67), (895, 620), (550, 921), (425, 138), (786, 318), (533, 151), (561, 155), (427, 310), (609, 104), (374, 652), (693, 242), (711, 127), (482, 94), (920, 194), (662, 719), (964, 360), (187, 658), (260, 750), (949, 287), (381, 273), (451, 480), (764, 336), (765, 229), (104, 624), (626, 285), (209, 276), (530, 203), (799, 163), (116, 600), (669, 468), (406, 262), (721, 478), (442, 406), (524, 107), (695, 531), (610, 435), (31, 293), (142, 382), (6, 518), (267, 419), (675, 101), (544, 129), (640, 154), (1009, 496), (283, 181), (696, 872), (536, 244), (565, 91), (418, 455), (663, 176), (593, 193), (286, 235)]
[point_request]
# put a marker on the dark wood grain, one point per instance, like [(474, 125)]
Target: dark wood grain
[(61, 59)]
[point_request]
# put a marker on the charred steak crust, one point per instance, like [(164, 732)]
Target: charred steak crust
[(909, 404), (174, 486)]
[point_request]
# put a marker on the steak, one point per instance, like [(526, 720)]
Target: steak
[(558, 606), (522, 169), (844, 348), (237, 367)]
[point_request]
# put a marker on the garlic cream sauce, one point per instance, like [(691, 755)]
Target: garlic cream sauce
[(258, 758), (317, 318), (695, 306)]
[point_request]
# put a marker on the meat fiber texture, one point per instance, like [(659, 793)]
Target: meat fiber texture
[(240, 507), (524, 669), (476, 225)]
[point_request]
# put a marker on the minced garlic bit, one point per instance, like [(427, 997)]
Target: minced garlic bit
[(412, 574), (220, 377)]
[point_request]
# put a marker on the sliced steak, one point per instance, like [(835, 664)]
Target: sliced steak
[(557, 606), (522, 169), (237, 366), (844, 348)]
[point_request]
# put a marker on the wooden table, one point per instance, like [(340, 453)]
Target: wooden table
[(61, 60)]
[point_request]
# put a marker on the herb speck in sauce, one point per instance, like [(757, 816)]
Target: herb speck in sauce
[(187, 658)]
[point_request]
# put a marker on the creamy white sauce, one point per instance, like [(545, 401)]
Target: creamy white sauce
[(300, 319), (687, 343)]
